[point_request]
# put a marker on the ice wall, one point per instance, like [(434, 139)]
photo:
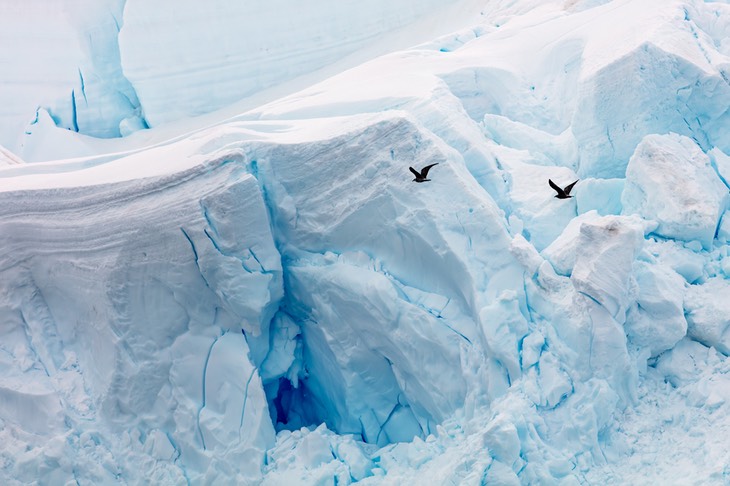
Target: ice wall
[(272, 299), (135, 333), (63, 59)]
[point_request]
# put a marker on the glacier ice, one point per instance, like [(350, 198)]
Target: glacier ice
[(120, 329), (267, 299), (76, 75), (244, 48), (657, 320), (708, 317), (670, 180)]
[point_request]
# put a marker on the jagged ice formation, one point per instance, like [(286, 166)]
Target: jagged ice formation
[(268, 298)]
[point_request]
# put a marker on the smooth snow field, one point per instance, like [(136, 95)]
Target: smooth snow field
[(215, 267)]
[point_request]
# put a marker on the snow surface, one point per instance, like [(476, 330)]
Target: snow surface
[(262, 296)]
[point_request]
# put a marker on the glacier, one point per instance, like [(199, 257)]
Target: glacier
[(214, 266)]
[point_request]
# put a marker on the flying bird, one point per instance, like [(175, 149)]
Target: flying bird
[(423, 175), (562, 193)]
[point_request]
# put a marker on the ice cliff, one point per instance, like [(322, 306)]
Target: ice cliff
[(270, 299)]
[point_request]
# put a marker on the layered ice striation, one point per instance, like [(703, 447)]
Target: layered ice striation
[(136, 331), (272, 300)]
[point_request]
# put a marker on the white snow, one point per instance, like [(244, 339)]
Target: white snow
[(261, 295), (239, 49)]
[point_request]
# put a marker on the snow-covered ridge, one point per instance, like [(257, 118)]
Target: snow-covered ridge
[(271, 299)]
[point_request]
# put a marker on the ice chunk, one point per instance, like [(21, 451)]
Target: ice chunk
[(234, 418), (532, 346), (683, 260), (707, 307), (684, 363), (314, 450), (316, 457), (502, 440), (526, 254), (605, 252), (158, 445), (555, 384), (504, 327), (601, 195), (670, 180), (657, 321), (561, 253)]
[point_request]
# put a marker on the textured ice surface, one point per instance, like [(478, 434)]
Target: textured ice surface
[(75, 75), (141, 333), (268, 298), (708, 313), (670, 180)]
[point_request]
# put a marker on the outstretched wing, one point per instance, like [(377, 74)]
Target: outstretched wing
[(415, 172), (556, 187), (424, 171), (569, 187)]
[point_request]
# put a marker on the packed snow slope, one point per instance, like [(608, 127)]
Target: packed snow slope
[(270, 299)]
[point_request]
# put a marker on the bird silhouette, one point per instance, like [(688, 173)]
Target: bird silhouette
[(562, 193), (423, 175)]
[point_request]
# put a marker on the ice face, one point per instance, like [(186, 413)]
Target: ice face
[(670, 180), (129, 329), (244, 48), (76, 75), (270, 299)]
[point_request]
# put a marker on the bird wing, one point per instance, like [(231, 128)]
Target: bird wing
[(415, 172), (569, 187), (424, 171), (556, 187)]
